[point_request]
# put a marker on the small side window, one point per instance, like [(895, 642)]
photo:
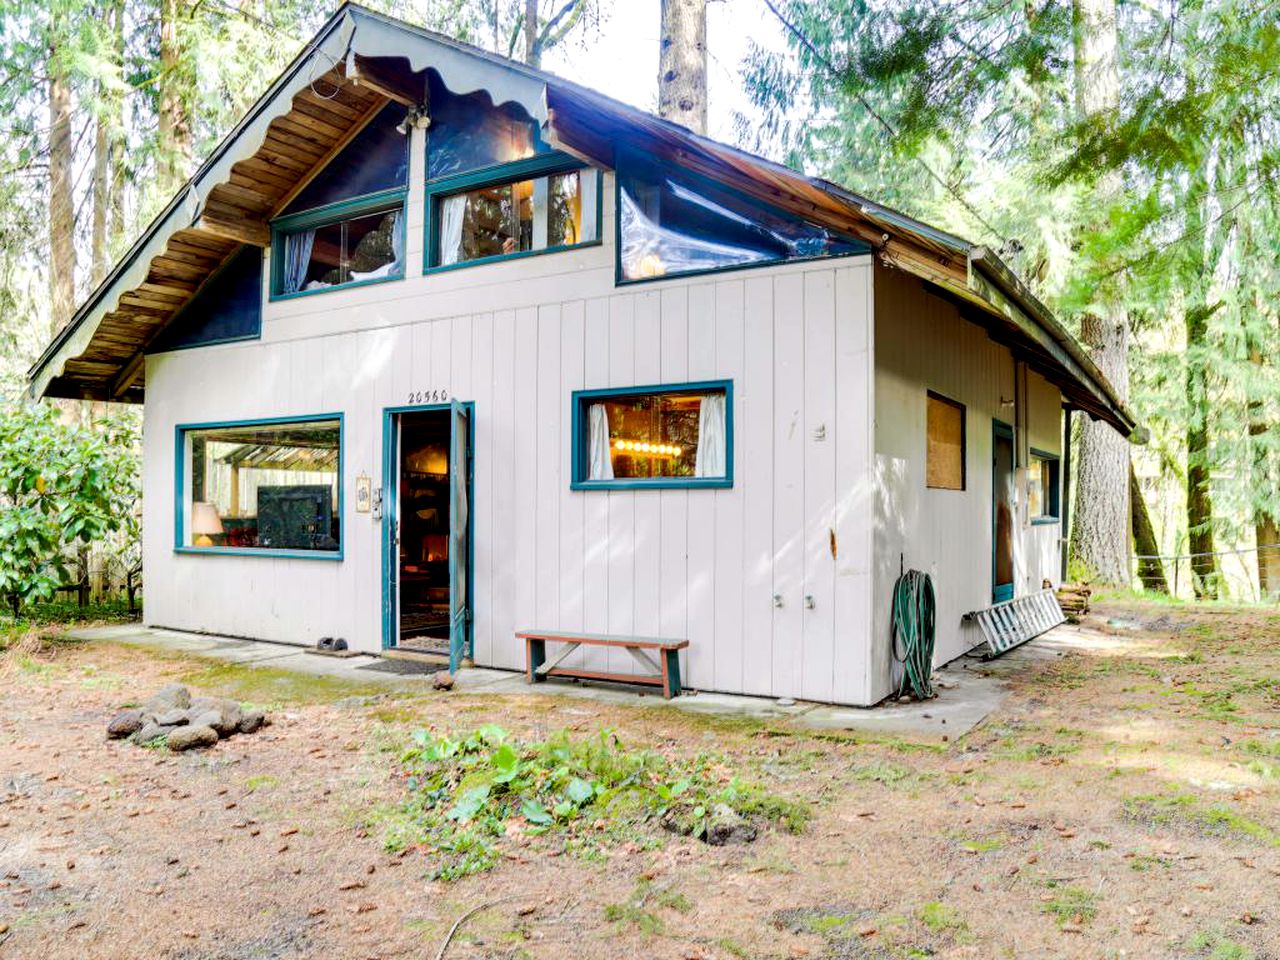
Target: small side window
[(1043, 488), (944, 457)]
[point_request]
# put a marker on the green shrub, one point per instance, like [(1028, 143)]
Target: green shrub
[(466, 794)]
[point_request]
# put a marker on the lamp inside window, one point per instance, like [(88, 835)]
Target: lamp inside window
[(655, 435)]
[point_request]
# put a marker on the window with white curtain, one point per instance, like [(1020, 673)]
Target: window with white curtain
[(526, 207), (344, 244), (676, 436)]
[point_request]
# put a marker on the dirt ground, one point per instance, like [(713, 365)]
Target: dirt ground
[(1121, 804)]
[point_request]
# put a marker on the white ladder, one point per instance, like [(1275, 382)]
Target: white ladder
[(1018, 620)]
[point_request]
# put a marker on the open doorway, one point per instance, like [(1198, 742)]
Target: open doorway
[(427, 487)]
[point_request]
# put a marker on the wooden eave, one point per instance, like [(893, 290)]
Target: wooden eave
[(301, 123), (236, 212)]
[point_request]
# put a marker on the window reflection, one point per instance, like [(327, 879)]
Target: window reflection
[(508, 218), (263, 486)]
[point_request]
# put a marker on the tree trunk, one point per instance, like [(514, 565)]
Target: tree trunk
[(175, 83), (1204, 567), (1099, 535), (62, 214), (532, 53), (1266, 531), (682, 64), (1151, 572), (108, 154), (1100, 530)]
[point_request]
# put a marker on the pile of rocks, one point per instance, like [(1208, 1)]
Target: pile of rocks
[(184, 721)]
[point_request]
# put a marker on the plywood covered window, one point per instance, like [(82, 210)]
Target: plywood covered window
[(265, 486), (671, 436), (944, 457)]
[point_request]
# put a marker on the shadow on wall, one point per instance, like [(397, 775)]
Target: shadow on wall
[(896, 501)]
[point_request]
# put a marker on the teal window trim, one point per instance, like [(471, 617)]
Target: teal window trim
[(384, 201), (1053, 495), (531, 168), (180, 432), (580, 400), (694, 177)]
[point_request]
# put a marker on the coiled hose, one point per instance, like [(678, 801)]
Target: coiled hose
[(914, 610)]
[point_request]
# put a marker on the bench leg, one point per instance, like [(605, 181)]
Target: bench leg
[(535, 654), (670, 674)]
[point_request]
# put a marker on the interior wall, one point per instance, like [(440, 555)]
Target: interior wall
[(922, 344), (517, 338)]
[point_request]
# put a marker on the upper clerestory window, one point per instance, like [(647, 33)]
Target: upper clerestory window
[(511, 213), (344, 244), (673, 222)]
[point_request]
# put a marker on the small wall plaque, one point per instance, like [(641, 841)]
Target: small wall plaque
[(364, 493)]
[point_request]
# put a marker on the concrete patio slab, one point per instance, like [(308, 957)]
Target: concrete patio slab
[(969, 689)]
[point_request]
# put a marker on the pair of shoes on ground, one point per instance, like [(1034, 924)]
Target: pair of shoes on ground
[(331, 643)]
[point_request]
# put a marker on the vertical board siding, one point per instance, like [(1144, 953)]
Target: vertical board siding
[(788, 484), (817, 680), (697, 564), (921, 343), (754, 446)]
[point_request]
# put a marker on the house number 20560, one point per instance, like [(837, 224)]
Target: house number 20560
[(428, 396)]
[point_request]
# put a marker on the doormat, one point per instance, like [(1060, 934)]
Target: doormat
[(404, 668)]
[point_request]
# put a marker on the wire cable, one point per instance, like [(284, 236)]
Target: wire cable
[(914, 622)]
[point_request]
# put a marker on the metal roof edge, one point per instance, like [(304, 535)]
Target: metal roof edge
[(984, 260)]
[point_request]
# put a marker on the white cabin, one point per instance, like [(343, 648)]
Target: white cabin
[(436, 347)]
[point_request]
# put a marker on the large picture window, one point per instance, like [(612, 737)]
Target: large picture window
[(512, 215), (338, 246), (679, 436), (261, 486)]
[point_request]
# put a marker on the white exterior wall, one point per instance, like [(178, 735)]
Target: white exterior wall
[(517, 338), (922, 344)]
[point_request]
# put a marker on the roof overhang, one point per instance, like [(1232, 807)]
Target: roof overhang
[(356, 43), (360, 43)]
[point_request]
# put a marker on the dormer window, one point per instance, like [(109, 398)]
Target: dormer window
[(340, 245), (509, 213)]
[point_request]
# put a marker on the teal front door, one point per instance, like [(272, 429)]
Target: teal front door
[(1002, 509), (459, 539)]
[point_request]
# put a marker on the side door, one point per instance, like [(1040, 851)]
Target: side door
[(459, 535), (1002, 511)]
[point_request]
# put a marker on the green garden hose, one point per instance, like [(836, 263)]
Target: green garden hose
[(914, 610)]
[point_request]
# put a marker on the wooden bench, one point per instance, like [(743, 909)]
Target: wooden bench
[(665, 674)]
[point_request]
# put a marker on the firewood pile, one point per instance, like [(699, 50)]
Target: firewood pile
[(1074, 600)]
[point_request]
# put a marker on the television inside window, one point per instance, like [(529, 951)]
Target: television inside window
[(262, 486), (678, 436)]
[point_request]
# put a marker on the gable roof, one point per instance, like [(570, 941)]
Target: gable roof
[(360, 60)]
